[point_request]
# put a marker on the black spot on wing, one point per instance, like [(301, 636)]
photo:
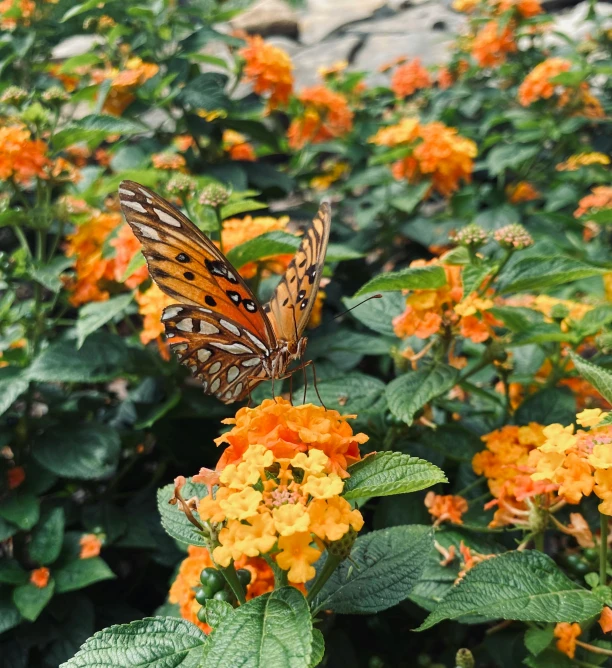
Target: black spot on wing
[(210, 301), (183, 257)]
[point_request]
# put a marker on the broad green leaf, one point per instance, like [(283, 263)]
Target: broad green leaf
[(21, 508), (48, 275), (264, 246), (217, 612), (473, 275), (81, 573), (340, 253), (413, 278), (206, 91), (241, 206), (9, 614), (384, 567), (13, 383), (47, 537), (134, 265), (598, 377), (503, 157), (593, 321), (537, 640), (157, 411), (95, 128), (94, 315), (175, 521), (409, 202), (87, 451), (350, 393), (407, 394), (154, 642), (378, 314), (548, 406), (387, 473), (271, 630), (318, 648), (75, 10), (12, 573), (31, 600), (101, 357), (542, 272), (524, 586)]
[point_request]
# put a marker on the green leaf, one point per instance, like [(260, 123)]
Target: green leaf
[(384, 567), (263, 246), (318, 648), (241, 206), (9, 614), (542, 272), (21, 508), (81, 573), (175, 521), (523, 586), (340, 252), (148, 643), (12, 573), (134, 265), (94, 315), (48, 275), (409, 202), (206, 91), (350, 393), (537, 640), (503, 157), (13, 383), (387, 473), (84, 451), (75, 10), (413, 278), (548, 406), (47, 537), (410, 392), (272, 630), (217, 612), (593, 321), (378, 314), (31, 600), (599, 378), (473, 275), (95, 128)]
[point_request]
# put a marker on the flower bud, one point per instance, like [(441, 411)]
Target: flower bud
[(513, 237), (464, 659), (55, 95), (36, 114), (342, 548), (471, 236), (181, 184), (214, 194), (14, 95)]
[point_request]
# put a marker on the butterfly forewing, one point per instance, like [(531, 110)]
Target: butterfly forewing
[(295, 295), (226, 357), (186, 265)]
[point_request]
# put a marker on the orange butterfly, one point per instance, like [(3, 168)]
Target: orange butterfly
[(222, 333)]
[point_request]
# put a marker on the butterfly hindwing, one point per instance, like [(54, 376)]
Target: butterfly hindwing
[(185, 264), (226, 357), (295, 295)]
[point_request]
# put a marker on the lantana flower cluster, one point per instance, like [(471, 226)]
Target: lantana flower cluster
[(435, 152)]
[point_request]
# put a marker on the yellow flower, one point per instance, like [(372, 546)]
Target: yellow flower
[(601, 458), (313, 463), (325, 487), (548, 465), (472, 304), (241, 505), (258, 455), (590, 417), (296, 556), (241, 476), (559, 438), (330, 519), (574, 162), (210, 116), (291, 518), (237, 539), (210, 509)]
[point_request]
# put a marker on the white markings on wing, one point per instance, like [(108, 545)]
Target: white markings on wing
[(236, 348), (232, 373), (166, 218), (207, 328), (215, 385), (231, 328), (137, 206), (171, 311), (203, 354), (252, 362), (147, 232), (185, 325), (214, 367), (125, 191)]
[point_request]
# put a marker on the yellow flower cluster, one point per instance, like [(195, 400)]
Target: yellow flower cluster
[(292, 504)]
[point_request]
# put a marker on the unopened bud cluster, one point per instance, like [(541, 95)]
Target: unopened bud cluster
[(13, 95), (181, 184), (214, 195), (513, 237), (472, 236)]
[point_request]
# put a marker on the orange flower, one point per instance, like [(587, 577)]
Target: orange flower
[(126, 246), (605, 620), (167, 160), (123, 83), (409, 78), (238, 230), (288, 430), (599, 199), (21, 158), (269, 69), (566, 635), (574, 478), (13, 12), (445, 78), (474, 329), (237, 146), (326, 116), (40, 577), (150, 305), (297, 556), (447, 508), (492, 44), (525, 8), (15, 476), (183, 142), (91, 268), (521, 192), (538, 85), (90, 546)]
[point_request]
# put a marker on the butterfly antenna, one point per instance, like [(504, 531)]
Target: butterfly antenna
[(379, 296), (291, 389), (314, 375), (305, 381)]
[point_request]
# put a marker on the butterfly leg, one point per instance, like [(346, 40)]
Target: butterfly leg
[(291, 389), (314, 376), (305, 381)]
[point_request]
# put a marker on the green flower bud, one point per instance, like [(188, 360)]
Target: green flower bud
[(513, 237), (471, 236), (214, 194), (14, 95), (342, 548), (181, 184), (464, 659)]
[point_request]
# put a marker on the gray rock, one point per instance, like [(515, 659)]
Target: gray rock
[(431, 17), (308, 60), (322, 17), (268, 17)]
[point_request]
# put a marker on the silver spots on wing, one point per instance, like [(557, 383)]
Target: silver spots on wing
[(232, 373), (185, 325), (237, 389), (166, 217), (146, 231), (230, 327), (236, 348), (249, 305), (253, 361), (256, 341), (171, 312), (214, 386), (137, 206), (193, 368), (203, 354), (125, 191), (207, 328), (214, 367)]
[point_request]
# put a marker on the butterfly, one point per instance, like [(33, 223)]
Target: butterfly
[(218, 328)]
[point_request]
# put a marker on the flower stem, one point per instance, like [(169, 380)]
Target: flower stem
[(330, 565), (231, 577), (538, 541), (603, 549)]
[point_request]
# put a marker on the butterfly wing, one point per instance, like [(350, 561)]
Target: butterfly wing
[(225, 356), (186, 265), (295, 295)]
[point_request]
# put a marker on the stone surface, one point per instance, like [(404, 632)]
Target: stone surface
[(321, 17), (430, 17), (268, 17), (307, 61)]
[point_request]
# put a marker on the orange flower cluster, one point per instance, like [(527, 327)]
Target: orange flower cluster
[(15, 477), (326, 115), (492, 44), (439, 153), (578, 463), (16, 12), (409, 78), (428, 310), (126, 246), (150, 306), (448, 508), (123, 83), (21, 157), (505, 464), (521, 192), (237, 146), (182, 591), (168, 160), (39, 577), (237, 231), (269, 69), (90, 546), (599, 199), (566, 635), (524, 8), (538, 83)]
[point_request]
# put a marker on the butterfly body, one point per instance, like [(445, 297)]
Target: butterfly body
[(217, 327)]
